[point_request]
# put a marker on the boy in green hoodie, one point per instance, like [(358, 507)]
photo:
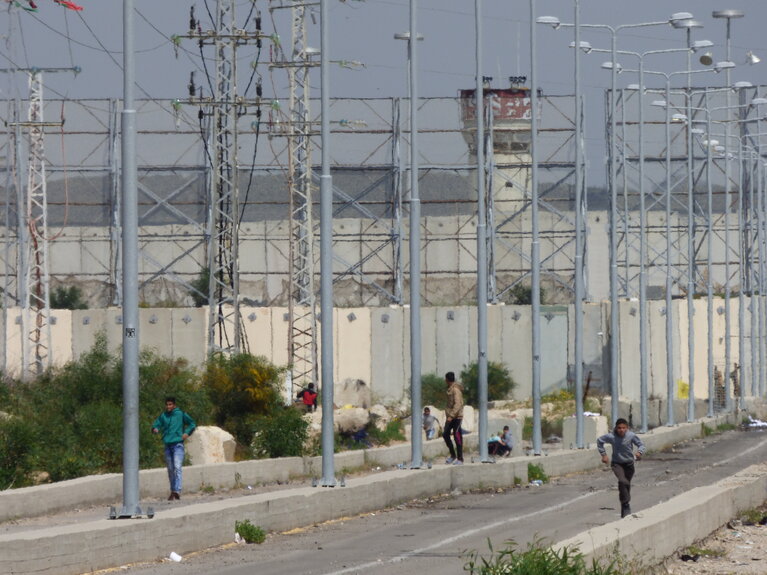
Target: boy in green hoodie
[(175, 426)]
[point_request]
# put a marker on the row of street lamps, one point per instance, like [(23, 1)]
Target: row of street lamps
[(684, 21)]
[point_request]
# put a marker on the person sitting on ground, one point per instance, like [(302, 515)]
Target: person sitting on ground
[(429, 423), (506, 443)]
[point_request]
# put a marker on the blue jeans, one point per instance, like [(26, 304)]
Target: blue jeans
[(174, 459)]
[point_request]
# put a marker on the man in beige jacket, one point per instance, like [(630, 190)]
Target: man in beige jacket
[(453, 419)]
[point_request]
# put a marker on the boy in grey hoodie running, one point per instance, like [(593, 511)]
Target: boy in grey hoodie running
[(623, 442)]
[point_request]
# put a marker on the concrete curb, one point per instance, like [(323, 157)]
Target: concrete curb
[(73, 549), (659, 531)]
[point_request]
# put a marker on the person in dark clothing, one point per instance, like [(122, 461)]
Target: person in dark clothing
[(453, 419), (308, 397), (623, 442), (175, 426)]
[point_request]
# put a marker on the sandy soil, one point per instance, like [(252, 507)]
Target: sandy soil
[(734, 549)]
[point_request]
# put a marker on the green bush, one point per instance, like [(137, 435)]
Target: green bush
[(433, 390), (536, 472), (63, 297), (242, 388), (250, 533), (499, 385), (68, 421), (392, 432), (499, 382), (17, 438), (200, 288), (281, 434)]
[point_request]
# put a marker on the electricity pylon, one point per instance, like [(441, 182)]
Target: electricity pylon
[(222, 108), (33, 265)]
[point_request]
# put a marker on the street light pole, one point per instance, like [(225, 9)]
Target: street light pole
[(579, 239), (535, 281), (727, 15), (326, 256), (479, 99), (412, 38)]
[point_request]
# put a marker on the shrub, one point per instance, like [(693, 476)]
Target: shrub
[(535, 472), (433, 390), (523, 295), (392, 432), (281, 434), (242, 388), (68, 421), (537, 559), (250, 533), (200, 288), (499, 382), (63, 297)]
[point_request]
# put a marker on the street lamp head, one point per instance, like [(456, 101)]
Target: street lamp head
[(758, 101), (707, 58), (688, 23), (742, 84), (711, 143), (659, 103), (585, 46), (679, 118), (311, 51), (632, 87), (406, 36), (678, 17), (697, 131), (700, 44), (610, 65), (552, 21), (727, 14), (752, 58), (725, 65)]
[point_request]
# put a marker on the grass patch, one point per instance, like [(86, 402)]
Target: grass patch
[(721, 428), (250, 533), (704, 552), (535, 472), (706, 430), (537, 559)]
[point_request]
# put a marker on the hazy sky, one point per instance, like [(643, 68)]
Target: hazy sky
[(363, 30)]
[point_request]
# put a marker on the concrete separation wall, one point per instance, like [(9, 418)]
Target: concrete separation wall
[(101, 544)]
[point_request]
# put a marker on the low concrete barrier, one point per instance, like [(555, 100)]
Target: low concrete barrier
[(659, 531)]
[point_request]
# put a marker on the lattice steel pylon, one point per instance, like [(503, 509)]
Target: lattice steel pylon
[(36, 301), (225, 329), (302, 342), (33, 268)]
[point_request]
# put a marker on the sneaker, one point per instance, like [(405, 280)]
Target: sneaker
[(457, 462), (171, 496), (625, 510), (449, 460)]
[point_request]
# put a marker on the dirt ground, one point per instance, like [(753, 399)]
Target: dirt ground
[(734, 549)]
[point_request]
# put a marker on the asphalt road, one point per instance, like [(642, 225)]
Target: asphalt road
[(432, 536)]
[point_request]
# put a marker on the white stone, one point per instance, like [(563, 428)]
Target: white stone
[(380, 416), (354, 392), (351, 419), (209, 444)]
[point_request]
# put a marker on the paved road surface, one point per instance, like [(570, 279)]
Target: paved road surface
[(429, 536)]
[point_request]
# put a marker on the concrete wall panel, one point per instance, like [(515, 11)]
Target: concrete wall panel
[(388, 342), (517, 347), (353, 352)]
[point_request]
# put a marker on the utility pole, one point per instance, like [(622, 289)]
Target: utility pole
[(33, 270), (222, 109), (302, 303)]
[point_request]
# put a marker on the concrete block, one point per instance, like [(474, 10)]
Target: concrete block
[(593, 427)]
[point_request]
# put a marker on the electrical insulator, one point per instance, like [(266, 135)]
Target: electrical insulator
[(258, 21), (192, 87), (259, 89), (192, 20), (200, 114)]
